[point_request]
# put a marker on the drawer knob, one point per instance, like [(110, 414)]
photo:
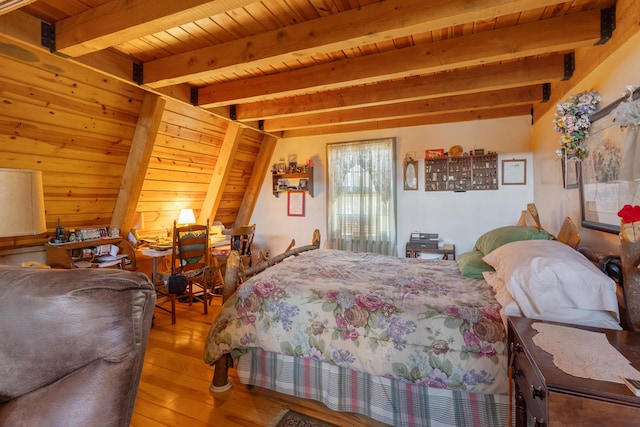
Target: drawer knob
[(515, 346), (538, 422), (537, 392)]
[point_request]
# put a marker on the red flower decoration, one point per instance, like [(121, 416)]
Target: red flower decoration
[(629, 213)]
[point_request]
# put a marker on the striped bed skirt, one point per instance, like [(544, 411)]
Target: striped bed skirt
[(387, 400)]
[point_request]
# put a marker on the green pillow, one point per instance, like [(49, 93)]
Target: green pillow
[(495, 238), (472, 265)]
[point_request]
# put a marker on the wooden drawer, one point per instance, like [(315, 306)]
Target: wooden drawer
[(528, 381), (547, 396)]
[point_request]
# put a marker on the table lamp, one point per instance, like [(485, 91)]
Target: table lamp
[(186, 217), (21, 203)]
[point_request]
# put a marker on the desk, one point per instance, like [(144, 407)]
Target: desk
[(155, 254), (69, 255)]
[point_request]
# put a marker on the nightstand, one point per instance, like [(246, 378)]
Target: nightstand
[(447, 253), (555, 398)]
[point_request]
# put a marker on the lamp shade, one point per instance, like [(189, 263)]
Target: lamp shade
[(186, 217), (21, 203)]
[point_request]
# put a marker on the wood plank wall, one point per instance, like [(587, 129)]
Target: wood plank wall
[(181, 167), (73, 125), (77, 127)]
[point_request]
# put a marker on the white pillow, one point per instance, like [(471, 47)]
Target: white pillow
[(573, 316), (543, 275), (504, 298)]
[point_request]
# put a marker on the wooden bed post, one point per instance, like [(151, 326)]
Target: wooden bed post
[(232, 277)]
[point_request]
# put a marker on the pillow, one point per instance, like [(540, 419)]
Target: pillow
[(495, 238), (471, 264), (544, 275), (572, 316)]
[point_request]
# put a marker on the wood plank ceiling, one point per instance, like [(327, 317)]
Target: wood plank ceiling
[(309, 67)]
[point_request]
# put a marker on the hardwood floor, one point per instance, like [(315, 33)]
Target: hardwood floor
[(174, 388)]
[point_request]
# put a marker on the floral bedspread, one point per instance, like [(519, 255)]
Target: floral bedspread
[(419, 321)]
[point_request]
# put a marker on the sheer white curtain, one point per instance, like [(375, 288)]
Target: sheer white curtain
[(361, 196)]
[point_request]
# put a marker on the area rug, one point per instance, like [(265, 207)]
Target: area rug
[(289, 418)]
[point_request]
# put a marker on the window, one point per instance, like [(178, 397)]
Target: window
[(361, 196)]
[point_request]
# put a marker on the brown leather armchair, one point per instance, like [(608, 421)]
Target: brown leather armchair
[(72, 345)]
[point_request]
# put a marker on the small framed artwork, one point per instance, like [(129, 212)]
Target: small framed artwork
[(103, 232), (295, 203), (90, 234), (514, 172), (410, 175), (434, 153)]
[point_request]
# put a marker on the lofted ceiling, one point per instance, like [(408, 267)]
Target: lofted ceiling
[(309, 67)]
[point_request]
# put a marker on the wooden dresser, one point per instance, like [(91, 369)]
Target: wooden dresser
[(555, 398)]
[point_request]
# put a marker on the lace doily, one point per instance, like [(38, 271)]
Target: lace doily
[(583, 354)]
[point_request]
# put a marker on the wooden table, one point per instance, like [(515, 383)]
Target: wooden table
[(155, 255), (555, 398)]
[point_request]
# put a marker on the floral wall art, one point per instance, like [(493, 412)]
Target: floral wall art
[(611, 151)]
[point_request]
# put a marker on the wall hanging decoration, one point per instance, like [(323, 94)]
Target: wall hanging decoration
[(410, 175), (570, 171), (514, 172), (295, 203), (573, 122), (606, 184)]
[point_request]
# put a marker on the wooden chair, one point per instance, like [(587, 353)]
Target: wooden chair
[(241, 240), (191, 258), (162, 297)]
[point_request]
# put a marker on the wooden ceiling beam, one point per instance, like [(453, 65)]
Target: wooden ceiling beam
[(378, 22), (525, 95), (476, 79), (7, 6), (557, 34), (260, 170), (221, 172), (464, 116), (119, 21), (142, 145)]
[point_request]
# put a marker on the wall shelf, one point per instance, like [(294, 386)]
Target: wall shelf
[(283, 182), (461, 173)]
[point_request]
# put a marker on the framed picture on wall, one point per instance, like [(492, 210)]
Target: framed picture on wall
[(602, 192), (295, 203), (410, 175), (514, 172)]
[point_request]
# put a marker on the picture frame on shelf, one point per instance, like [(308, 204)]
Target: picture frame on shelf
[(89, 234), (434, 153)]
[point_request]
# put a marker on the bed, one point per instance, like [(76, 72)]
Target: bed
[(407, 342)]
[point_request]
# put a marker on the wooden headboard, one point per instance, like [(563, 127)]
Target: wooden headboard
[(569, 233)]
